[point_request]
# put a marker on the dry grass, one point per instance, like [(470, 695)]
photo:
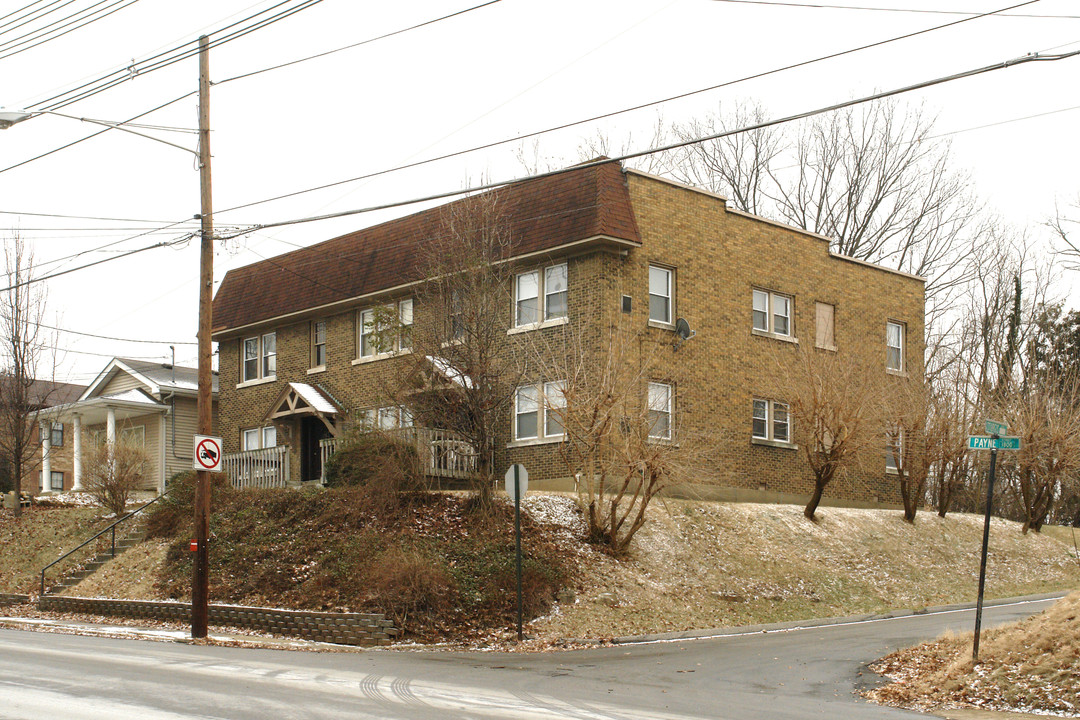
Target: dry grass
[(704, 565), (42, 534), (131, 575), (1031, 666)]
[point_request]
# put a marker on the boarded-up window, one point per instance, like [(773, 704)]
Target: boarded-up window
[(824, 326)]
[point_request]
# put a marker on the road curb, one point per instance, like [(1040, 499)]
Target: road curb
[(802, 624)]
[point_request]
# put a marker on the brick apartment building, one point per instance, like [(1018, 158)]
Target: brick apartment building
[(597, 244)]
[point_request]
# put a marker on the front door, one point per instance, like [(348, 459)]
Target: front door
[(312, 430)]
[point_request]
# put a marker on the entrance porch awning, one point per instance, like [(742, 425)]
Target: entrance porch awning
[(300, 400), (95, 411)]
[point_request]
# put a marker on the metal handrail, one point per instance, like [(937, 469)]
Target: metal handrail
[(112, 527)]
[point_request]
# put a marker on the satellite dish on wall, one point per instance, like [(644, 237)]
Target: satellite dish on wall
[(682, 329)]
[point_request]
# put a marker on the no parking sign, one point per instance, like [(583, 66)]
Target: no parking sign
[(207, 455)]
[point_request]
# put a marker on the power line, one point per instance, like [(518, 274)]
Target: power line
[(118, 339), (564, 126), (77, 217), (683, 143), (822, 6), (95, 134), (170, 57), (358, 44), (78, 24), (43, 278)]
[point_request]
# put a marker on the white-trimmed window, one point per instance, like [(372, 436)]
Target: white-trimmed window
[(661, 283), (554, 408), (258, 438), (405, 323), (538, 411), (527, 413), (825, 326), (660, 408), (375, 327), (457, 317), (259, 357), (772, 312), (894, 449), (548, 283), (135, 436), (771, 421), (318, 344), (56, 480), (894, 346)]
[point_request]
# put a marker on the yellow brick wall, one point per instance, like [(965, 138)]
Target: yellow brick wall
[(718, 257)]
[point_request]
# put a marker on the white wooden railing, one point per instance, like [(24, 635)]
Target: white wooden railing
[(442, 453), (264, 468), (327, 447)]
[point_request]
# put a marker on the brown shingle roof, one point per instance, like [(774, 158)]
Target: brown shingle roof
[(544, 213)]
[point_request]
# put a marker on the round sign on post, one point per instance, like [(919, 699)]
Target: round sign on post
[(522, 479), (207, 455)]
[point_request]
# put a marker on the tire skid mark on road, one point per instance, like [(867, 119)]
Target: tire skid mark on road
[(566, 709)]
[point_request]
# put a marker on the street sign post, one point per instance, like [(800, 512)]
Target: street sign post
[(993, 444), (517, 482)]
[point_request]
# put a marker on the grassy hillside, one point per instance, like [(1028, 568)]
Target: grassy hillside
[(42, 534), (442, 570), (435, 563)]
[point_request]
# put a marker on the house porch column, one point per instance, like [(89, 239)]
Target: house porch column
[(46, 452), (77, 452), (110, 436)]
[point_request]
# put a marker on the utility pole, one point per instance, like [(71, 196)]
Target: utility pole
[(200, 581)]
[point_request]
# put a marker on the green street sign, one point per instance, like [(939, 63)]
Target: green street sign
[(995, 428), (979, 442)]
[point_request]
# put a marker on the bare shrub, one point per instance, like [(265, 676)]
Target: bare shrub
[(113, 474), (383, 464), (406, 581)]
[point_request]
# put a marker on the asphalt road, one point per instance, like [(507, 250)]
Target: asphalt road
[(801, 673)]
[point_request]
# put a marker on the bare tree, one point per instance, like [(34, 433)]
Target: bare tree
[(26, 360), (1046, 418), (915, 438), (462, 370), (623, 440), (1063, 224), (835, 401), (114, 473)]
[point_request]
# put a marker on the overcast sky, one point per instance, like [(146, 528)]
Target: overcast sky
[(509, 68)]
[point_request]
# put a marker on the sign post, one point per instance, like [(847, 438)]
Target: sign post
[(517, 482), (993, 444)]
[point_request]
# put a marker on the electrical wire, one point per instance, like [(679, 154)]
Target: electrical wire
[(604, 116), (168, 57), (357, 44), (118, 339), (77, 217), (95, 134), (59, 273), (887, 9), (684, 143), (25, 7), (78, 24)]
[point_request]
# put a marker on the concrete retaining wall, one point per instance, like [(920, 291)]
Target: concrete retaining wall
[(341, 628)]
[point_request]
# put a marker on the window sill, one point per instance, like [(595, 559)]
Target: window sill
[(316, 370), (661, 325), (555, 322), (530, 442), (830, 348), (891, 471), (774, 443), (774, 336), (379, 356), (896, 373), (259, 381)]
